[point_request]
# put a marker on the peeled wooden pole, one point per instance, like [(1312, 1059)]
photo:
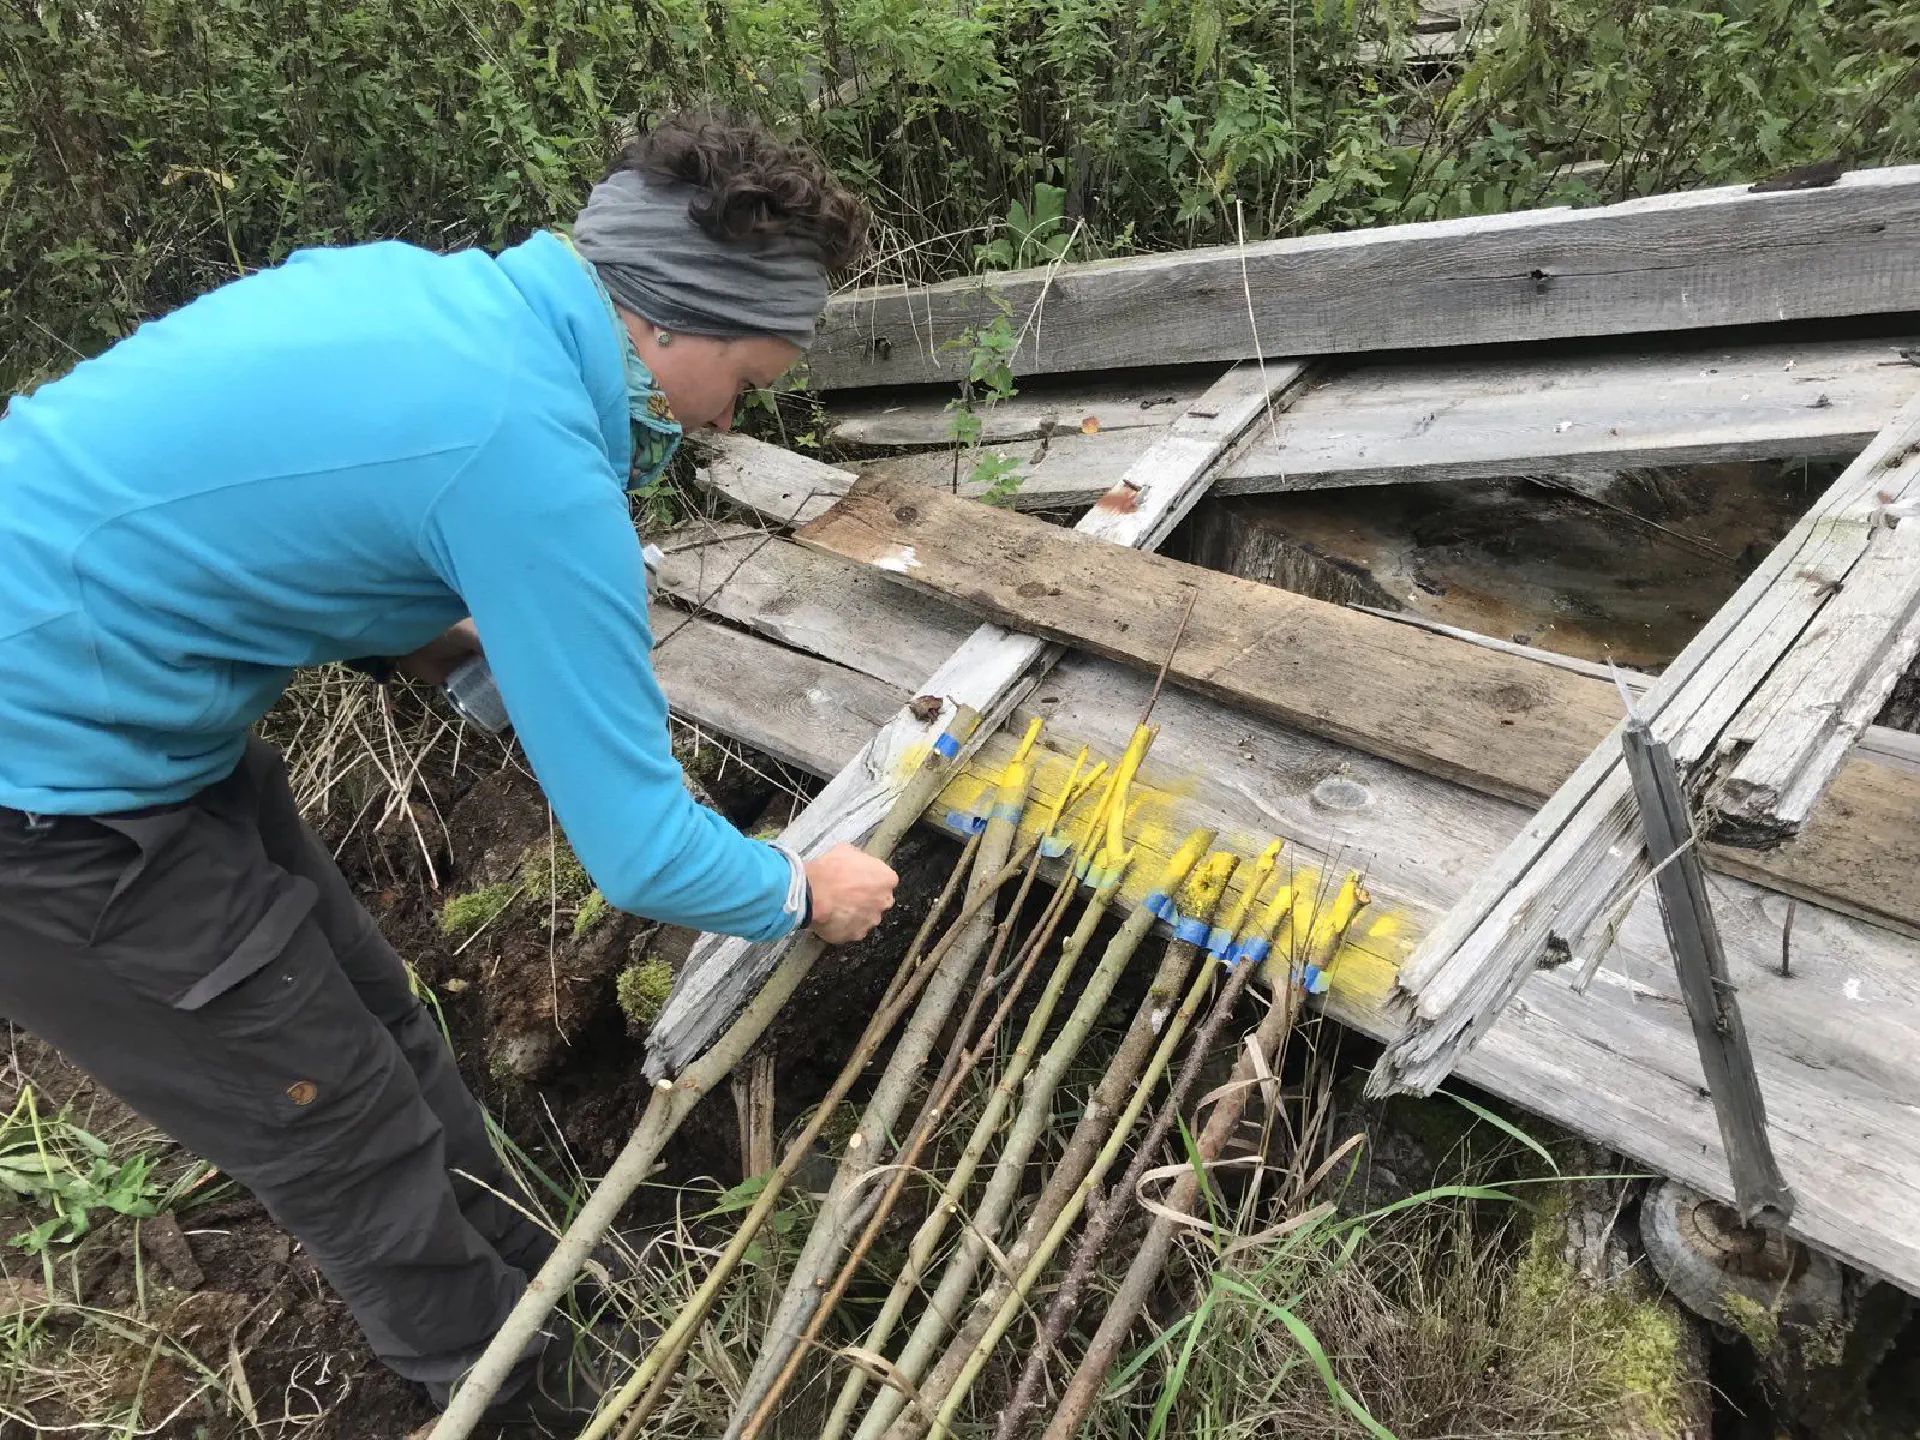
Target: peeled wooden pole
[(833, 1226), (1122, 1076), (967, 1049), (657, 1366), (672, 1102), (921, 1252), (1060, 1206), (1071, 1413), (1106, 1214)]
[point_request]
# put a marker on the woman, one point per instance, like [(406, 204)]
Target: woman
[(339, 458)]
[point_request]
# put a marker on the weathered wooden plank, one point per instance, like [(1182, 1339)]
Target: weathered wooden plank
[(1616, 1063), (1566, 416), (1557, 887), (770, 480), (799, 709), (1899, 748), (796, 597), (987, 674), (1500, 723), (1778, 753), (1130, 400), (1497, 723), (1670, 262)]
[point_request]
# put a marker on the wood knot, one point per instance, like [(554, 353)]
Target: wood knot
[(1034, 589), (1542, 281), (1513, 698), (906, 514)]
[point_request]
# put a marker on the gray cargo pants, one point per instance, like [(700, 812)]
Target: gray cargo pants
[(208, 964)]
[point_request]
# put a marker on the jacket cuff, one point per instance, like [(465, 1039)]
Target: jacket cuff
[(798, 906)]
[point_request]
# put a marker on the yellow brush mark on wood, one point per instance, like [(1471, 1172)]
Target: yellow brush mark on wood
[(1159, 816), (1201, 894)]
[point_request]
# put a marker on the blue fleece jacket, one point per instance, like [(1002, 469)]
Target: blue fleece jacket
[(340, 457)]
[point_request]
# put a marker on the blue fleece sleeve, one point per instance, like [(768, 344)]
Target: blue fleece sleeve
[(534, 535)]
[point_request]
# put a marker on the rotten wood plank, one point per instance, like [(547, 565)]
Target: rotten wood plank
[(1556, 890), (1616, 1063), (1724, 256), (1497, 722), (1565, 416), (987, 673)]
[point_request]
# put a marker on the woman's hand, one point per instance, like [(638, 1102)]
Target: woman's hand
[(851, 891), (440, 657)]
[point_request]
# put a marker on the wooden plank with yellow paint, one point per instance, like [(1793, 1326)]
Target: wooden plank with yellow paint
[(1616, 1063)]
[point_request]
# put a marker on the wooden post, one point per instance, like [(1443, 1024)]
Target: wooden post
[(1761, 1194)]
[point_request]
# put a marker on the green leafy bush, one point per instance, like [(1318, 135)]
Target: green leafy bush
[(152, 148)]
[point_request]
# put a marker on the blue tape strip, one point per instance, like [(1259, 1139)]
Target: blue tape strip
[(1159, 903), (945, 746), (1191, 930), (966, 824), (1315, 981), (1219, 941), (1053, 847), (1256, 950), (1005, 812)]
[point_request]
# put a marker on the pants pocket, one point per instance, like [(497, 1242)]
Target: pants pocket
[(205, 924)]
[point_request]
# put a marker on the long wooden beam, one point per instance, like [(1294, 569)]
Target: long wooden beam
[(1566, 416), (1557, 888), (1500, 723), (987, 673), (1669, 262), (1616, 1063)]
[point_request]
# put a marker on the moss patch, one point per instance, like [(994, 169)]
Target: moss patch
[(592, 911), (550, 870), (1760, 1325), (642, 990), (464, 914), (1640, 1342)]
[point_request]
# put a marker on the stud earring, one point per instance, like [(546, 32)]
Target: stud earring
[(662, 338)]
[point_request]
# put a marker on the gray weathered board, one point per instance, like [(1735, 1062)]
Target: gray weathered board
[(1556, 888), (1833, 1043), (1567, 416), (986, 674), (1498, 723), (1705, 258)]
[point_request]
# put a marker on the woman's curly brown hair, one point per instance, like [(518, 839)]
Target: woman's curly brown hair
[(751, 182)]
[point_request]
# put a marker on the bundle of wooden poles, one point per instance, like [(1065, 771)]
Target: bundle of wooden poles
[(985, 971), (967, 975)]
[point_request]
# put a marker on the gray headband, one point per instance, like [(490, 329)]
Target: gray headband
[(657, 262)]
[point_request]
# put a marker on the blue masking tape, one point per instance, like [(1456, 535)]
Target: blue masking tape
[(966, 824), (1053, 847), (1159, 903), (1256, 950), (1005, 812), (1219, 942), (945, 746), (1315, 980), (1191, 930)]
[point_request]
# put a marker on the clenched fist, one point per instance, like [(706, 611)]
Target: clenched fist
[(851, 891)]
